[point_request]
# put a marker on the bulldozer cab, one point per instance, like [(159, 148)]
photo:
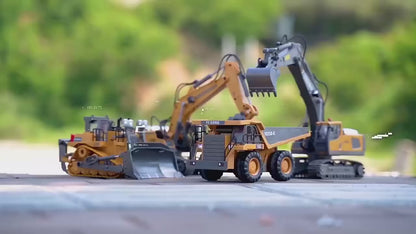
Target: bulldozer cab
[(92, 122), (99, 126)]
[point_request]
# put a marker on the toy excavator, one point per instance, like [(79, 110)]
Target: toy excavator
[(109, 151), (244, 146)]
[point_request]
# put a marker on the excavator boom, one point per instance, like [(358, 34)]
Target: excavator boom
[(201, 91), (327, 138)]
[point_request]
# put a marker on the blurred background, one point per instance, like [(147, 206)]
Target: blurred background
[(61, 60)]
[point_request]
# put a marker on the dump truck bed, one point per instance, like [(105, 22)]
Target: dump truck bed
[(276, 136)]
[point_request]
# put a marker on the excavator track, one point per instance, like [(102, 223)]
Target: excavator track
[(335, 169)]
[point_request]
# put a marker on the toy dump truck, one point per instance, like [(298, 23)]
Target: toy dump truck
[(244, 147)]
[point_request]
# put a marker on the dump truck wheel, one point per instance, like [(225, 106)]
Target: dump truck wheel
[(281, 165), (211, 175), (249, 167)]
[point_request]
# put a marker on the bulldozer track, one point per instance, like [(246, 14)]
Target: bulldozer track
[(81, 155)]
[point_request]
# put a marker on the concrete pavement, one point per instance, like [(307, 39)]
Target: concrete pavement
[(37, 197), (64, 204)]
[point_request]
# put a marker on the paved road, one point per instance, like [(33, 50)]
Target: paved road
[(63, 204), (47, 201)]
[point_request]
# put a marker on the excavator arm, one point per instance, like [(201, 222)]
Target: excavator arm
[(328, 138), (201, 91), (290, 55)]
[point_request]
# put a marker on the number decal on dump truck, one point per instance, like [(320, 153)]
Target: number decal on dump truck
[(213, 122), (270, 133)]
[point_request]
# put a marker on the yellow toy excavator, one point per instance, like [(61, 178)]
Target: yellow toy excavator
[(122, 150)]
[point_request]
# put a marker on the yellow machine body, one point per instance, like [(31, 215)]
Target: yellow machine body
[(85, 145), (111, 152)]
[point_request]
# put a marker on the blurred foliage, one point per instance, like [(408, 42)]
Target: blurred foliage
[(211, 20), (325, 19), (59, 57), (372, 79)]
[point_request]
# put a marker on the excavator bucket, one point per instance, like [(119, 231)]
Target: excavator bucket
[(262, 80), (150, 160)]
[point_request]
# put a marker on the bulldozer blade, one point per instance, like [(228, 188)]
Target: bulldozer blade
[(262, 80), (150, 160)]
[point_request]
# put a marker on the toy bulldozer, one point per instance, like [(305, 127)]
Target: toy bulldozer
[(108, 151)]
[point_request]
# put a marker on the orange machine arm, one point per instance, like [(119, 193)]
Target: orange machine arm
[(199, 95)]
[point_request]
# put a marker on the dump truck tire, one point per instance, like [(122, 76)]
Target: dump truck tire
[(249, 167), (281, 165), (211, 175)]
